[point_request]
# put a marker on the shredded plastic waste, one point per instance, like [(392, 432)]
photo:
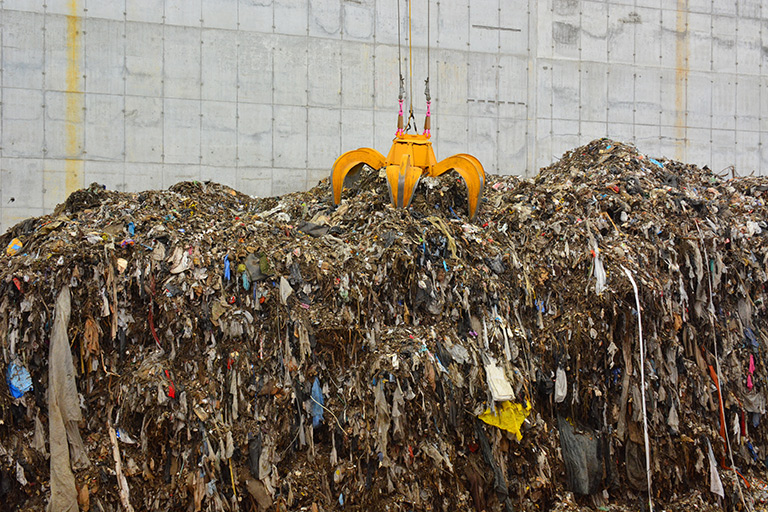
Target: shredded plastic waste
[(282, 353)]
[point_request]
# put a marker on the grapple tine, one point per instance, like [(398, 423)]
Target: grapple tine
[(476, 162), (350, 164), (474, 177), (402, 181)]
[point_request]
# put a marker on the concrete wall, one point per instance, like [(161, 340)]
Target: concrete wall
[(683, 79), (263, 95)]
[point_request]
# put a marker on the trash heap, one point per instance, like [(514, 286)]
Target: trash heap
[(200, 349)]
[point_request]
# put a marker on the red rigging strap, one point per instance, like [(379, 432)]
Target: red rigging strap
[(410, 66)]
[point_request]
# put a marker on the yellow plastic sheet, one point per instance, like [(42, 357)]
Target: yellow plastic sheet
[(508, 416)]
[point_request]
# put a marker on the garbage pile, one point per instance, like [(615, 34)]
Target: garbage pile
[(200, 349)]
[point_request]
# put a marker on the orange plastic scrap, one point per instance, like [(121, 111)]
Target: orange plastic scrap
[(713, 374), (508, 416)]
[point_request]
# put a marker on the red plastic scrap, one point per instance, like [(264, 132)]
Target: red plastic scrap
[(171, 386)]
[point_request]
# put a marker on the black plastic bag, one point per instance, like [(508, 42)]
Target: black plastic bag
[(583, 460)]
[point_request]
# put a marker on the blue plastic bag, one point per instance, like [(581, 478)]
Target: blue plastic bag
[(317, 403), (19, 380), (227, 269)]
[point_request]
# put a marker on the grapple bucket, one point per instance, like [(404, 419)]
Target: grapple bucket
[(410, 157)]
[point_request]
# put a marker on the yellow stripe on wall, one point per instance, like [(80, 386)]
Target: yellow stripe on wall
[(75, 102)]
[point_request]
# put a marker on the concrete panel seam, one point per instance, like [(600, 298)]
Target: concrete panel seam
[(712, 89), (306, 104), (162, 111), (581, 45), (498, 81), (45, 143), (760, 99), (373, 67), (125, 90), (200, 82), (272, 74), (83, 151), (736, 89), (531, 127), (237, 103), (2, 107)]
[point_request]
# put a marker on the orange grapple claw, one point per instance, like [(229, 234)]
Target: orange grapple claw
[(410, 158)]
